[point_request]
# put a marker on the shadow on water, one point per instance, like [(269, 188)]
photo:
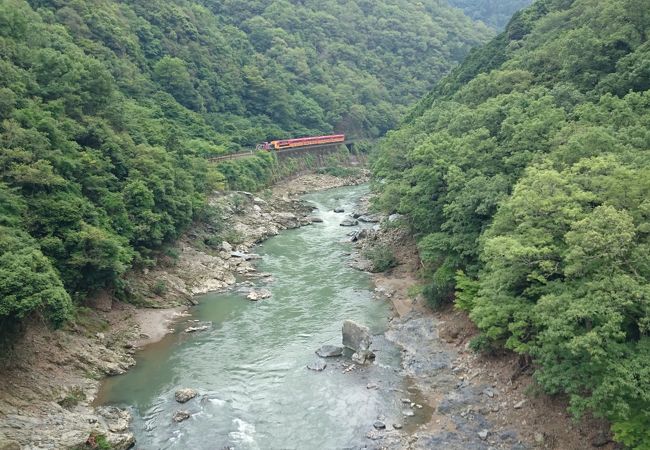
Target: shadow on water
[(249, 366)]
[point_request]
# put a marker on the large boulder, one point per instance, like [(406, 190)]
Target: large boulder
[(356, 337), (117, 420), (259, 295), (181, 416), (317, 366), (363, 356), (328, 351), (359, 234), (349, 223), (185, 395), (369, 218)]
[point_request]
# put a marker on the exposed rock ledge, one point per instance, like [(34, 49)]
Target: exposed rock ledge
[(49, 379)]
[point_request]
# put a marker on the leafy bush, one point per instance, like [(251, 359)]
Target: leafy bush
[(232, 236), (381, 256), (159, 288), (73, 398), (340, 172)]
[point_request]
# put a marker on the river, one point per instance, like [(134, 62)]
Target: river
[(249, 367)]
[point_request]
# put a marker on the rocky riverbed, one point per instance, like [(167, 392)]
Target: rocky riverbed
[(49, 379), (477, 401)]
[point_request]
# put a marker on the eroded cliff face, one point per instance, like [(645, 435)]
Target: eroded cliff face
[(49, 379)]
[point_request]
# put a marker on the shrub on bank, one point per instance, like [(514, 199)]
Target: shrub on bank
[(381, 256)]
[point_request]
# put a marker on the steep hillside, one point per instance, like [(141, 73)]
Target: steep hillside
[(496, 13), (108, 108), (525, 174)]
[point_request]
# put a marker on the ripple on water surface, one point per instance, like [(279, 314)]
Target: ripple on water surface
[(255, 392)]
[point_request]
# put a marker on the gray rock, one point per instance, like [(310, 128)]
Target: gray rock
[(508, 435), (489, 393), (317, 366), (394, 217), (483, 434), (520, 404), (372, 386), (244, 256), (315, 219), (117, 419), (195, 329), (259, 295), (397, 426), (180, 416), (120, 441), (356, 337), (349, 223), (362, 356), (408, 413), (379, 425), (185, 395), (328, 351), (339, 210), (360, 234), (369, 218), (226, 247)]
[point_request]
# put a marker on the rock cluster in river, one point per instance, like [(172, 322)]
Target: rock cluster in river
[(259, 295), (185, 395), (181, 415), (317, 366), (329, 351), (357, 338)]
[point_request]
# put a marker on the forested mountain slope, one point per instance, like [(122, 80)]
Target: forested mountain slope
[(526, 176), (107, 109), (496, 13)]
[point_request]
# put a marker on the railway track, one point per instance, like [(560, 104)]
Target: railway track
[(249, 153)]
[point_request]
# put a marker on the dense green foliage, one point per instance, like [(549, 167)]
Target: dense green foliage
[(350, 65), (381, 256), (495, 13), (528, 169), (109, 108)]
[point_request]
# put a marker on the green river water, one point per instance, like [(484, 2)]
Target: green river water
[(249, 367)]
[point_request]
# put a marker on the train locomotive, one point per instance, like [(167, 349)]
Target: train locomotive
[(300, 142)]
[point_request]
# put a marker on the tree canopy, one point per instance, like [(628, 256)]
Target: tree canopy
[(525, 175), (109, 108)]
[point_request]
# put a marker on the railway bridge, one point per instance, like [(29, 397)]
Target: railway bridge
[(320, 151)]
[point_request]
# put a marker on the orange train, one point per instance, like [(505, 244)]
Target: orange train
[(301, 142)]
